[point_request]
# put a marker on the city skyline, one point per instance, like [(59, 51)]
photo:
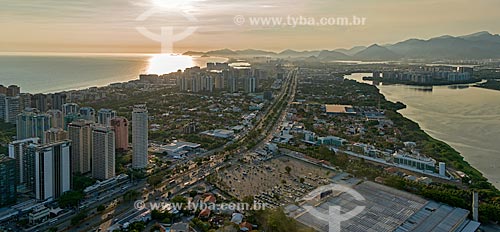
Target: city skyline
[(250, 115), (50, 26)]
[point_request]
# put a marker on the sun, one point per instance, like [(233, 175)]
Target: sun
[(167, 63), (172, 4)]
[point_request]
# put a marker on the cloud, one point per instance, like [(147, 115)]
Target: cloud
[(96, 23)]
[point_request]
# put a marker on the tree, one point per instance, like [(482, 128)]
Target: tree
[(70, 199), (193, 193), (276, 220), (489, 212), (155, 228), (248, 199), (101, 208), (78, 218), (160, 216), (80, 182), (197, 223), (131, 195), (137, 226), (155, 180), (288, 169), (179, 200)]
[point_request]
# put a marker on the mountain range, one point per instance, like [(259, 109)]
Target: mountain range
[(480, 45)]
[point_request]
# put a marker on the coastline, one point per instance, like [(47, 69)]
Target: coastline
[(491, 84), (472, 81), (63, 72)]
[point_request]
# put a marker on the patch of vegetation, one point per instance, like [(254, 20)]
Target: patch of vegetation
[(277, 221), (131, 195), (7, 132), (80, 182), (70, 199), (78, 218), (490, 84)]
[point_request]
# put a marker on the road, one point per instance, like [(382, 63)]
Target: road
[(280, 106)]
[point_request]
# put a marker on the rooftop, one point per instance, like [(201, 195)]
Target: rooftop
[(439, 217), (340, 109), (219, 133), (388, 209), (178, 146)]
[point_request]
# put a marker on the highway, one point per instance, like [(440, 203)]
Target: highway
[(184, 180)]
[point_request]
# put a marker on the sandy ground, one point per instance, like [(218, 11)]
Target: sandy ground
[(269, 179)]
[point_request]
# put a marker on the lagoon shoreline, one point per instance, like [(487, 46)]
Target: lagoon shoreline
[(447, 110)]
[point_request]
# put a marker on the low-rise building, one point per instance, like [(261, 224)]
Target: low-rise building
[(177, 148), (180, 227), (416, 161), (339, 109), (38, 215), (219, 133), (331, 140)]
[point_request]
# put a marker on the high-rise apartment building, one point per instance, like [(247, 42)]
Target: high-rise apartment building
[(3, 98), (80, 134), (13, 91), (55, 135), (219, 82), (87, 113), (104, 116), (25, 162), (12, 109), (120, 126), (232, 81), (250, 85), (39, 101), (3, 90), (69, 119), (52, 169), (208, 84), (182, 83), (70, 108), (8, 185), (196, 83), (140, 137), (103, 152), (56, 118), (25, 101), (58, 100), (32, 125)]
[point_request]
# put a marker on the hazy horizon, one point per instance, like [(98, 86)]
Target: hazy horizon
[(110, 27)]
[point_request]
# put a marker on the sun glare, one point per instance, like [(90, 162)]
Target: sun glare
[(167, 63), (171, 3)]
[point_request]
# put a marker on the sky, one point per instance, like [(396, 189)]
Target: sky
[(111, 26)]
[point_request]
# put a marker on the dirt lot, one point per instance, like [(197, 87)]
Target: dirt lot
[(269, 180)]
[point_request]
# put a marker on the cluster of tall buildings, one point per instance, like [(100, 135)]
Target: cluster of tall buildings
[(62, 140), (428, 75), (219, 77), (13, 102)]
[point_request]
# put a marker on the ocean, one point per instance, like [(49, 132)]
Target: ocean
[(48, 73)]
